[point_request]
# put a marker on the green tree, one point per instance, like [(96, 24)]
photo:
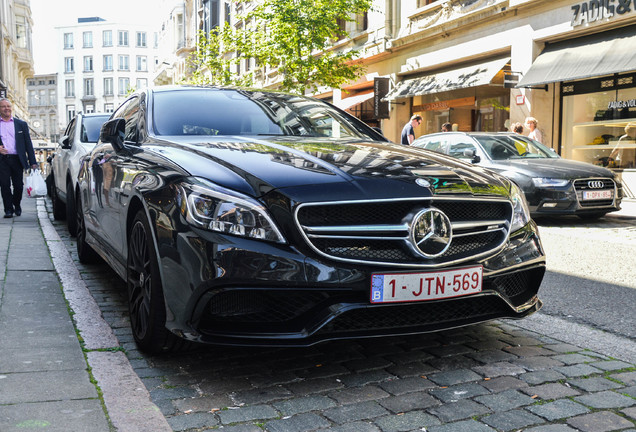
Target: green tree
[(214, 58), (295, 37)]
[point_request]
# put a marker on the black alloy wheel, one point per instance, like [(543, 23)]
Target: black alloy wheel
[(59, 209), (71, 223), (145, 295), (85, 252)]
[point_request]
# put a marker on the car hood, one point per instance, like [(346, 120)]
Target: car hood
[(313, 168), (552, 168)]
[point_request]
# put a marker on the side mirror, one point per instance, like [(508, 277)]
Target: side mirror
[(114, 131), (65, 142), (472, 154)]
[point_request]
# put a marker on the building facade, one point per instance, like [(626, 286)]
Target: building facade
[(177, 38), (100, 62), (16, 58), (42, 98)]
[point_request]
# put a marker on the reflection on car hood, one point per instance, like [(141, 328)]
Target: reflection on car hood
[(553, 168), (357, 170)]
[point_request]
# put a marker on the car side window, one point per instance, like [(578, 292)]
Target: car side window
[(128, 111), (70, 131), (437, 144), (458, 148)]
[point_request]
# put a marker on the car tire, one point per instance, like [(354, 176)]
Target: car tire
[(59, 208), (85, 252), (146, 303), (71, 222)]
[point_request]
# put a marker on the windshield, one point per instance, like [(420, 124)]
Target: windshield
[(501, 147), (202, 111)]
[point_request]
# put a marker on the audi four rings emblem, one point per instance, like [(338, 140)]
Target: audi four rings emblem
[(595, 184), (431, 233)]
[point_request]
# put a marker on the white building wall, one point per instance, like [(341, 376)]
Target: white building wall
[(101, 101)]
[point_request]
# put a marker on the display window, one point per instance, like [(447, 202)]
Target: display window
[(482, 108), (599, 127)]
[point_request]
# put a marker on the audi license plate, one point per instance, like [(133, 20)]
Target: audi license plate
[(598, 194), (408, 287)]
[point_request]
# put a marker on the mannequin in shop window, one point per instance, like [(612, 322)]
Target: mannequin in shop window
[(625, 157)]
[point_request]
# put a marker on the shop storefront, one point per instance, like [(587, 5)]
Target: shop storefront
[(471, 98), (597, 98)]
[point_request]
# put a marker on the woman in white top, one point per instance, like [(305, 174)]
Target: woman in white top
[(535, 134)]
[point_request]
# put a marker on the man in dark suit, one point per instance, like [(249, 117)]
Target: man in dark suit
[(15, 147)]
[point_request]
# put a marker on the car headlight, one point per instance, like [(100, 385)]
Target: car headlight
[(543, 182), (205, 205), (521, 212)]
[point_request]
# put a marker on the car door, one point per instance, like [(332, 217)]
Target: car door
[(60, 161), (119, 170)]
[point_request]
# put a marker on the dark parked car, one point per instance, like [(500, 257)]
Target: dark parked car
[(79, 138), (255, 218), (552, 185)]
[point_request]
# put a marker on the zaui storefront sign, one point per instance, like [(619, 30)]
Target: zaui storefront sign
[(631, 103), (597, 10)]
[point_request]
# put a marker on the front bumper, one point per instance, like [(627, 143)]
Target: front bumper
[(568, 201), (280, 297)]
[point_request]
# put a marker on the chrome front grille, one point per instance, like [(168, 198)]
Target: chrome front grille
[(379, 232), (581, 186)]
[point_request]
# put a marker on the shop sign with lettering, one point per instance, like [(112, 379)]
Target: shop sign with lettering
[(444, 105), (631, 103), (596, 10)]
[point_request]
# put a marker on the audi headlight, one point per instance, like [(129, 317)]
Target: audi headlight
[(546, 182), (521, 212), (207, 206)]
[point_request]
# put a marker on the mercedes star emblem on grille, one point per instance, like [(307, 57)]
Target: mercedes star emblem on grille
[(595, 184), (422, 182), (431, 233)]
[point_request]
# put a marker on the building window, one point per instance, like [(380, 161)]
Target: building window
[(52, 82), (142, 83), (108, 86), (69, 65), (87, 38), (141, 39), (178, 31), (70, 112), (88, 87), (90, 108), (68, 40), (109, 108), (142, 64), (124, 86), (107, 38), (53, 97), (123, 63), (122, 36), (21, 31), (108, 62), (88, 63), (69, 87)]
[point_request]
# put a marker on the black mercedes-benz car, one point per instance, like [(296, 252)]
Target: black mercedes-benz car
[(553, 186), (255, 218)]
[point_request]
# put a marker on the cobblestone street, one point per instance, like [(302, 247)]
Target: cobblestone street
[(491, 377)]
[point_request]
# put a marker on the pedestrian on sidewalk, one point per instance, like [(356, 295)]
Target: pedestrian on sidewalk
[(15, 148), (408, 133)]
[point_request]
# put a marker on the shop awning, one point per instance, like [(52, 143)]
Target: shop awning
[(352, 101), (595, 55), (470, 76)]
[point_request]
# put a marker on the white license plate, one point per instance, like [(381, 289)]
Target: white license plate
[(598, 195), (409, 287)]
